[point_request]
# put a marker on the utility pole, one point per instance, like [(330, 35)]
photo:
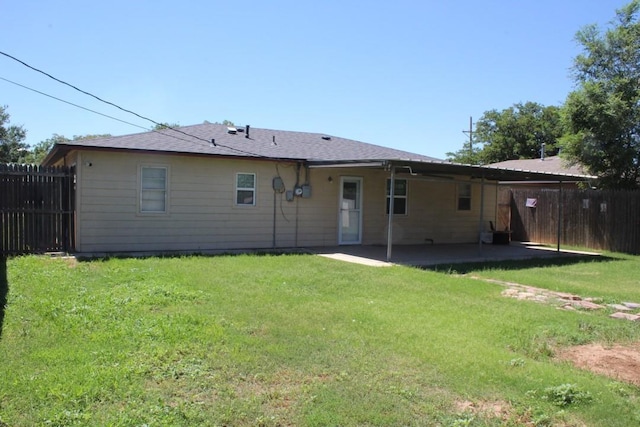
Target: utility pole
[(470, 132)]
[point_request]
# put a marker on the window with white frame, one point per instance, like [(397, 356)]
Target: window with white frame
[(399, 196), (153, 189), (246, 189), (464, 197)]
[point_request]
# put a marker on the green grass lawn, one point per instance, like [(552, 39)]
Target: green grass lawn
[(300, 340)]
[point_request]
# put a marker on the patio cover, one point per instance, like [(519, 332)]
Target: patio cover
[(446, 172)]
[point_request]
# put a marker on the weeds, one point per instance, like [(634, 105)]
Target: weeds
[(566, 394)]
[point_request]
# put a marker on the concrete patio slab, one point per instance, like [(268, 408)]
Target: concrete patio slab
[(430, 255)]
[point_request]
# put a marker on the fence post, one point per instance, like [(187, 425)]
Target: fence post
[(560, 219)]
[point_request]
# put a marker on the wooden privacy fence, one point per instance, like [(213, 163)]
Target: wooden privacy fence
[(36, 209), (597, 219)]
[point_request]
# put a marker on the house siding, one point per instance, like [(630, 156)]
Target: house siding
[(202, 214), (432, 212)]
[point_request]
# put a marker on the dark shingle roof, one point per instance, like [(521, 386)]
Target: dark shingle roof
[(260, 143), (552, 164), (315, 148)]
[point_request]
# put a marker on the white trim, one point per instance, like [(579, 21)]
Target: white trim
[(458, 196), (166, 168), (254, 189), (345, 210), (397, 196)]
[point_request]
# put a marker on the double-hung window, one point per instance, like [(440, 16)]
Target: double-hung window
[(246, 189), (399, 196), (153, 189), (464, 197)]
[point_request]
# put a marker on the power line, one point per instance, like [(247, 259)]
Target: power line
[(90, 110), (78, 89), (161, 125), (75, 105)]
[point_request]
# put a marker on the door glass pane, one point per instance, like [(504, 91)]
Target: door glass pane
[(350, 194), (351, 227), (350, 212)]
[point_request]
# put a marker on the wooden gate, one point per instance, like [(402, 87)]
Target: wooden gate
[(36, 209)]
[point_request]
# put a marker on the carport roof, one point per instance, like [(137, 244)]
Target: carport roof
[(443, 169)]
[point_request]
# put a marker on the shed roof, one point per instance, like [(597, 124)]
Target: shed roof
[(551, 164)]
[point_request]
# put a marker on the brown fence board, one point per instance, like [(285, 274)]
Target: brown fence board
[(597, 219), (36, 209)]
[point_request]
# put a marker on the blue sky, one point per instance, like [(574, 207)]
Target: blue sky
[(406, 74)]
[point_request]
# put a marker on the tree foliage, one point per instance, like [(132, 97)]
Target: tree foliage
[(517, 132), (469, 154), (165, 125), (12, 147), (603, 115), (41, 149)]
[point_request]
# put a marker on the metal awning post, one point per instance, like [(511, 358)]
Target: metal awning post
[(390, 226)]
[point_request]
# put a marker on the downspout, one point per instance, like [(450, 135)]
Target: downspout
[(297, 216), (274, 220), (392, 185)]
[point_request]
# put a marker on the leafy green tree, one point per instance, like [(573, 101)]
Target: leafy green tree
[(603, 115), (12, 147), (466, 155), (517, 132), (165, 125), (41, 149)]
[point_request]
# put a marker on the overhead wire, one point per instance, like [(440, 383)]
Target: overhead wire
[(71, 103), (93, 111), (163, 126)]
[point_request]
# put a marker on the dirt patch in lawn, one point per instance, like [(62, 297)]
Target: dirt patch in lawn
[(621, 362)]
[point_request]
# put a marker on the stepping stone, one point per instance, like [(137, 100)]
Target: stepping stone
[(587, 305), (526, 295), (566, 296), (631, 305), (619, 307), (625, 316)]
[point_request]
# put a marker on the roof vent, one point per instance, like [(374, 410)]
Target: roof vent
[(326, 138), (232, 130), (240, 129)]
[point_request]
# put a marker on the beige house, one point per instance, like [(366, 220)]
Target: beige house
[(211, 187)]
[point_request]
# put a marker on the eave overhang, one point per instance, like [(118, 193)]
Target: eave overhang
[(431, 169)]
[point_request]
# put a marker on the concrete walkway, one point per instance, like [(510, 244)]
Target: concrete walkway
[(429, 255)]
